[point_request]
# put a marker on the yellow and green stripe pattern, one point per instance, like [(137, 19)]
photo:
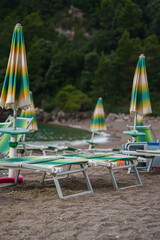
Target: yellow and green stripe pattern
[(140, 99), (98, 122), (15, 91), (29, 113), (139, 120)]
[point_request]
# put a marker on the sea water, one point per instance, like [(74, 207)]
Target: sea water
[(50, 134)]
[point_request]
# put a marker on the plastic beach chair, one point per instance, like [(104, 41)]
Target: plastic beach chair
[(51, 164), (149, 133), (5, 138)]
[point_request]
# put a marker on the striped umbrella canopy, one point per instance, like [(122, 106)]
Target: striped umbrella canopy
[(98, 122), (139, 120), (140, 99), (29, 113), (15, 91)]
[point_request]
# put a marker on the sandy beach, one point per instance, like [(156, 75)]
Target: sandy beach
[(32, 210)]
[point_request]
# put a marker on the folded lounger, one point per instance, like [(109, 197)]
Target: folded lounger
[(148, 141), (109, 161), (51, 164), (143, 155)]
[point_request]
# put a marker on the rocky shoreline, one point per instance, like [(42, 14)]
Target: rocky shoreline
[(59, 116)]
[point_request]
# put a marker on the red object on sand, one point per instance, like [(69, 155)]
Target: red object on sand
[(7, 179)]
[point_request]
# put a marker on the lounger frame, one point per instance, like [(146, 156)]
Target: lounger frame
[(113, 166), (56, 172)]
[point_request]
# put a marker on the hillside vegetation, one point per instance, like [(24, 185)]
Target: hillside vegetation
[(79, 50)]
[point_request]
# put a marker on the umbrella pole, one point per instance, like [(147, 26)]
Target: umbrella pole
[(13, 151), (92, 137), (90, 145), (135, 121), (14, 121)]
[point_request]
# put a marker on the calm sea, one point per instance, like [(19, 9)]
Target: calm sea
[(62, 135)]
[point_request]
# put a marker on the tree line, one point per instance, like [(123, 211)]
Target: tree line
[(79, 50)]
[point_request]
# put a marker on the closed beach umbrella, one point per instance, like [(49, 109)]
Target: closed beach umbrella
[(140, 99), (98, 122), (29, 113), (15, 91)]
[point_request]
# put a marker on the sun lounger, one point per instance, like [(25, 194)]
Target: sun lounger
[(110, 161), (50, 164), (54, 165), (30, 149)]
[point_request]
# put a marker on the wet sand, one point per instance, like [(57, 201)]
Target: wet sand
[(32, 210)]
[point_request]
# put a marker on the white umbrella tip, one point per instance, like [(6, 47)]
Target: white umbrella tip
[(142, 55), (19, 25)]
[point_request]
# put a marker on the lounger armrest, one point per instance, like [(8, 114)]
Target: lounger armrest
[(57, 169), (142, 159), (102, 163)]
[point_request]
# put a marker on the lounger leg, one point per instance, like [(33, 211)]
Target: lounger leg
[(150, 164), (16, 177), (122, 167), (15, 180), (67, 175), (44, 152), (87, 179), (129, 170), (113, 178), (43, 177), (58, 187), (31, 152), (137, 175)]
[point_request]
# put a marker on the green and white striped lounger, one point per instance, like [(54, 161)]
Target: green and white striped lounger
[(51, 164), (110, 162)]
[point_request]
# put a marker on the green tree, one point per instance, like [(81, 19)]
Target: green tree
[(104, 83), (90, 64), (32, 28), (65, 68), (39, 57), (131, 19), (85, 82), (152, 52), (78, 33), (128, 51), (91, 61), (106, 12), (101, 41)]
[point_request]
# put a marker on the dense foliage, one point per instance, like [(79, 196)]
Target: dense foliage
[(79, 50)]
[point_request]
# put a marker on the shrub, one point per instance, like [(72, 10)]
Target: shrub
[(69, 99)]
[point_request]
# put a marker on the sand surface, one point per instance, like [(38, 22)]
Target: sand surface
[(32, 210)]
